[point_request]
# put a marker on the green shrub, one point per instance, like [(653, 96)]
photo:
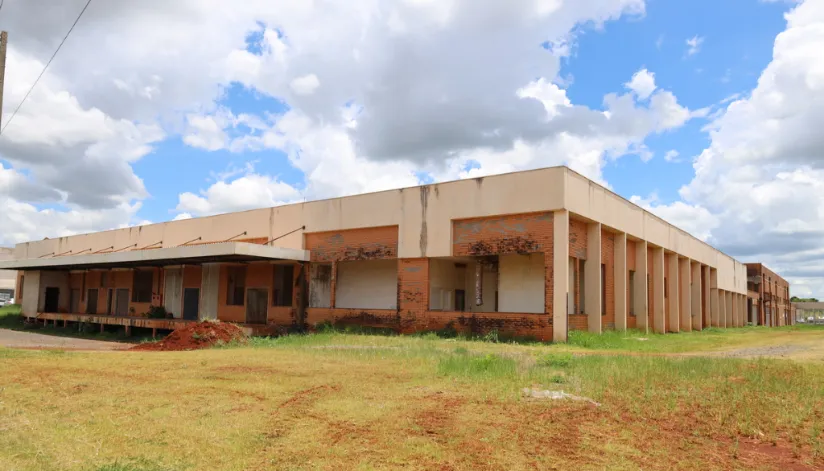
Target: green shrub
[(157, 312)]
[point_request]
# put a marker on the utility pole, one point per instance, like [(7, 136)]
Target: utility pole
[(3, 39)]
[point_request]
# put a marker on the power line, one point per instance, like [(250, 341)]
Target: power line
[(47, 64)]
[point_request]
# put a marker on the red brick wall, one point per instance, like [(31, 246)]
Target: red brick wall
[(578, 322), (371, 243), (577, 239), (608, 260)]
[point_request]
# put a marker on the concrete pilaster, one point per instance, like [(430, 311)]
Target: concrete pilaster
[(727, 309), (209, 290), (620, 276), (31, 293), (658, 290), (706, 301), (673, 321), (685, 293), (560, 274), (640, 307), (696, 309), (715, 300), (592, 277)]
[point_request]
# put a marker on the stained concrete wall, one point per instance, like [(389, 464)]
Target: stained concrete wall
[(173, 292), (423, 216), (521, 283), (367, 284), (209, 291)]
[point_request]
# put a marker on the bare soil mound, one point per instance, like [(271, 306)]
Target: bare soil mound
[(196, 336)]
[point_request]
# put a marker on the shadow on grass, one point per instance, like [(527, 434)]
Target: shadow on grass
[(12, 319)]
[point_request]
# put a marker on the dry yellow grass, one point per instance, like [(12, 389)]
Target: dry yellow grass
[(334, 401)]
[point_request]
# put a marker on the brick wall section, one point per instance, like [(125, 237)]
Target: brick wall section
[(608, 260), (511, 234), (371, 243), (413, 286), (577, 239), (577, 250), (578, 322)]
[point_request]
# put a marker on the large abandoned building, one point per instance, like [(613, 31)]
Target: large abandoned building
[(768, 297), (529, 254)]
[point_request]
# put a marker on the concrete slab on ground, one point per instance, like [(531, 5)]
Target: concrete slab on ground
[(17, 339)]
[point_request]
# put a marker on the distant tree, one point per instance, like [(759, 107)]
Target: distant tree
[(796, 299)]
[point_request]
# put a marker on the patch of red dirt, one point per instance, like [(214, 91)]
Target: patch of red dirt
[(196, 336)]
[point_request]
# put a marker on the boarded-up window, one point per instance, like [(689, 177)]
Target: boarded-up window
[(283, 285), (236, 287), (142, 286), (104, 279)]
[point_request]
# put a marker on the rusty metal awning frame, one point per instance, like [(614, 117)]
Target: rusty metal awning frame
[(190, 255)]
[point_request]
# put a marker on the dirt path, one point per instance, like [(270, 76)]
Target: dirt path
[(16, 339)]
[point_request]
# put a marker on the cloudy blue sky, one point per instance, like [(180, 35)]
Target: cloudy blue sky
[(708, 113)]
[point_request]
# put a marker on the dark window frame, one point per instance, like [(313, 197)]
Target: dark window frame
[(236, 285), (142, 286), (283, 285)]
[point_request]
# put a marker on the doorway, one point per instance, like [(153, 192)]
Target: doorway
[(256, 302), (121, 303), (91, 301), (191, 303), (52, 301)]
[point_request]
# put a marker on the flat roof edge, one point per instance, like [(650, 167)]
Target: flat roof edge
[(221, 249)]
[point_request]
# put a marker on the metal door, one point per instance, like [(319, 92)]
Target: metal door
[(91, 301), (191, 303), (256, 302), (121, 303)]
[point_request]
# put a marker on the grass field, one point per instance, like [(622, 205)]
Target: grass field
[(344, 401)]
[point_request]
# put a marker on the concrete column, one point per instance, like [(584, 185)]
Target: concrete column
[(592, 277), (706, 306), (685, 279), (672, 288), (640, 288), (728, 309), (696, 308), (209, 290), (31, 293), (658, 290), (715, 299), (742, 301), (560, 274), (621, 274)]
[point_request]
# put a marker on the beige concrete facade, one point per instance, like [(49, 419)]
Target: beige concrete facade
[(657, 285)]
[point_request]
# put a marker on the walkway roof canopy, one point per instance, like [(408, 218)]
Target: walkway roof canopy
[(189, 255)]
